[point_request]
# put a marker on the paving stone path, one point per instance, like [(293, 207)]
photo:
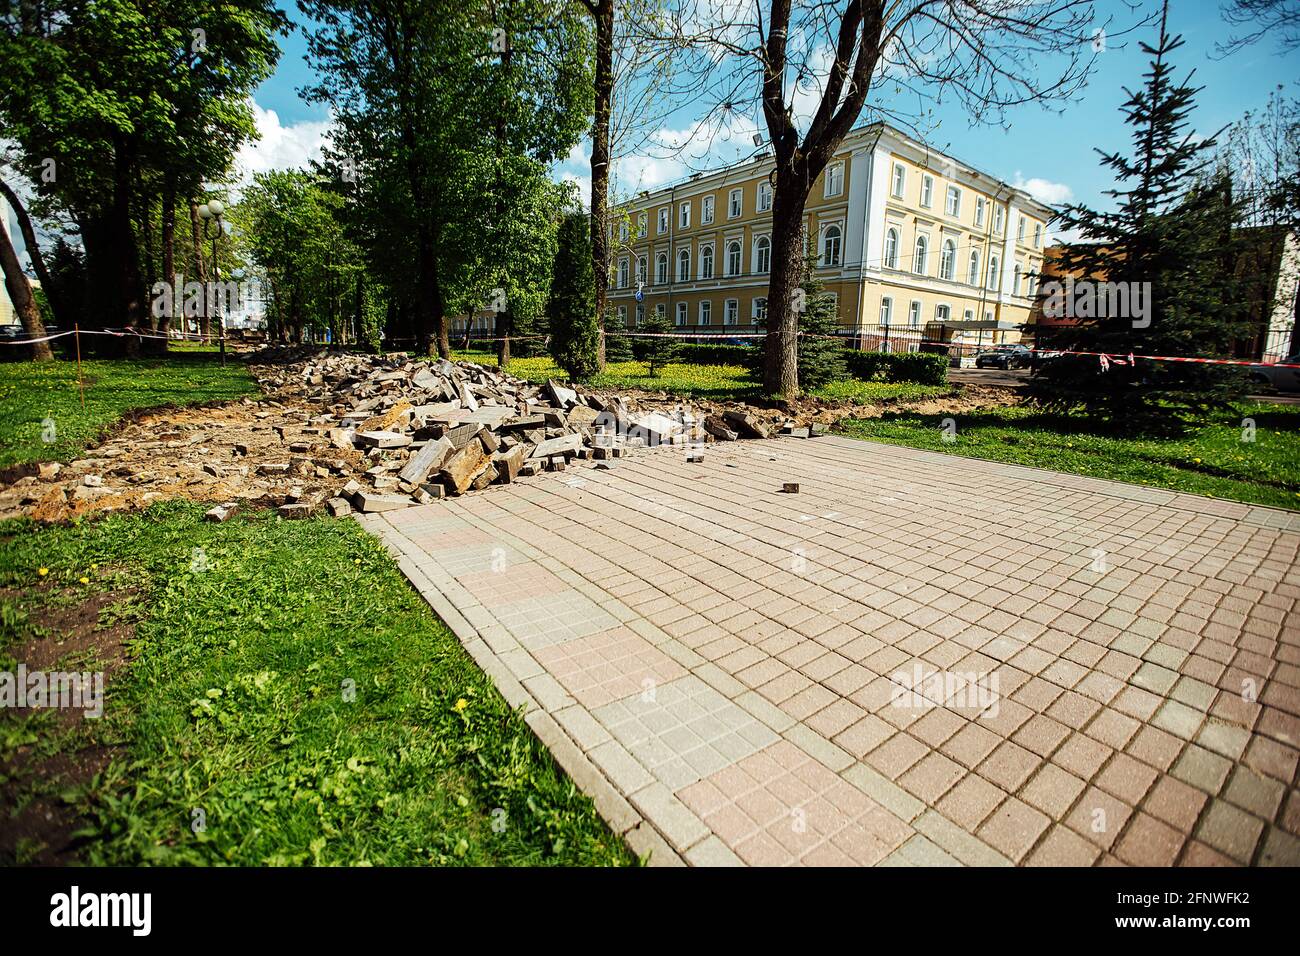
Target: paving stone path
[(918, 659)]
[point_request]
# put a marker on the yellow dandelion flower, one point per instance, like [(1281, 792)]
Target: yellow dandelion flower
[(42, 571), (461, 704)]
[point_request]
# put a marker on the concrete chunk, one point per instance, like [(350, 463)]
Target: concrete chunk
[(429, 458)]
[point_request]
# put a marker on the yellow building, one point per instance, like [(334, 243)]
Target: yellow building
[(914, 245)]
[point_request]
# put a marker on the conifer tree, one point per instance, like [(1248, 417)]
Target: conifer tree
[(1168, 249), (571, 309), (820, 350), (659, 351)]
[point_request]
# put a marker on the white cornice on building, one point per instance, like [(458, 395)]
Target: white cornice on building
[(863, 139)]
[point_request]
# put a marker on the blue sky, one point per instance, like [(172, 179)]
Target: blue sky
[(1051, 153)]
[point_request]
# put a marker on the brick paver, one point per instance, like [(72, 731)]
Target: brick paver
[(917, 660)]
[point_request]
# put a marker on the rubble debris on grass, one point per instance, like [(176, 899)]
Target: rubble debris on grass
[(337, 432)]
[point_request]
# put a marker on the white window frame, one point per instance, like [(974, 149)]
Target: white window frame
[(825, 259), (661, 310), (927, 191), (684, 259), (706, 256), (642, 268), (622, 316), (834, 182), (706, 210), (661, 268), (623, 266), (980, 205), (952, 201), (969, 315), (914, 314), (684, 215), (706, 312), (898, 182), (622, 230), (1020, 230), (682, 313), (735, 203), (892, 239), (973, 268), (1038, 235), (995, 272), (921, 255), (639, 314), (764, 196), (948, 254), (999, 218), (663, 220), (759, 267), (729, 272), (642, 224), (757, 314), (886, 309), (730, 311), (942, 312)]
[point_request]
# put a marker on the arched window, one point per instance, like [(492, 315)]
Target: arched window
[(922, 253), (831, 246), (706, 262), (684, 265), (640, 270), (948, 260), (994, 272), (973, 276), (762, 254), (622, 273), (661, 269), (733, 258), (891, 247), (1015, 278)]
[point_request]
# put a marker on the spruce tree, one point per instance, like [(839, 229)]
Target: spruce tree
[(1170, 235), (659, 351), (618, 347), (571, 307)]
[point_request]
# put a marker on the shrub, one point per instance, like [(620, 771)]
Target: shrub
[(922, 368)]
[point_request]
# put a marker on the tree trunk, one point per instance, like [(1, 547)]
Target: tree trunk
[(52, 292), (603, 13), (169, 252), (201, 271), (781, 346), (134, 314), (20, 293)]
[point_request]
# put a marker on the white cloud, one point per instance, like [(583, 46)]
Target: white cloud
[(1044, 190), (280, 146)]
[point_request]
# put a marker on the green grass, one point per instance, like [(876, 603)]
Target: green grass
[(41, 418), (238, 702), (1210, 460), (709, 382)]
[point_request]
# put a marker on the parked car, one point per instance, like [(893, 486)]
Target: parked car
[(1005, 356), (1277, 377)]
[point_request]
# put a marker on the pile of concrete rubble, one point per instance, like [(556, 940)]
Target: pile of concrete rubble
[(430, 429)]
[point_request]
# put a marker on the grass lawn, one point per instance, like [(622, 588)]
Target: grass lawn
[(41, 418), (1211, 460), (284, 685), (705, 382)]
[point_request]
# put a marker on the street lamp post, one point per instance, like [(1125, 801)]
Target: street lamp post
[(211, 213)]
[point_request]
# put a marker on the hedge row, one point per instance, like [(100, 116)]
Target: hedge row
[(919, 367), (922, 368)]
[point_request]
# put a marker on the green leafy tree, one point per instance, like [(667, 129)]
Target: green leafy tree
[(1169, 247), (571, 309), (107, 99)]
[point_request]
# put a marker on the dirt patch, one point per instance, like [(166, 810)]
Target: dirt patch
[(87, 635)]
